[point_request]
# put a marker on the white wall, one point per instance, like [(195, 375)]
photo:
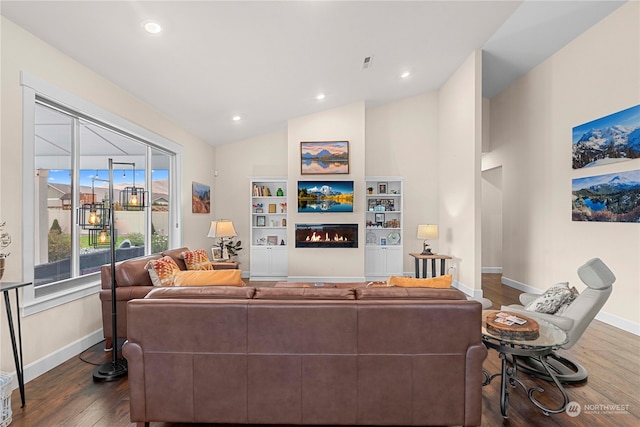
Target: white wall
[(339, 124), (460, 139), (63, 330), (402, 140), (263, 156), (595, 75)]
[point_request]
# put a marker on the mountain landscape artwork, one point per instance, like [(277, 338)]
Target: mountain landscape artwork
[(324, 157), (613, 197), (610, 139), (325, 196), (200, 198)]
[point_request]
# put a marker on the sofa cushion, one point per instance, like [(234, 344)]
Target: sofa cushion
[(209, 278), (176, 254), (204, 292), (130, 272), (394, 292), (197, 260), (303, 293), (441, 282), (162, 271)]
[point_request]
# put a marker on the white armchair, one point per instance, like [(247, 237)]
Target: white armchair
[(574, 320)]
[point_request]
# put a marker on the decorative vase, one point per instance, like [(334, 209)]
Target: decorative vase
[(279, 193)]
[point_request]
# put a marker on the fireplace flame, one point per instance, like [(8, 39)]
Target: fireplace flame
[(317, 237)]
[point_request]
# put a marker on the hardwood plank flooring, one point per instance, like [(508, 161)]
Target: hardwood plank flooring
[(67, 396)]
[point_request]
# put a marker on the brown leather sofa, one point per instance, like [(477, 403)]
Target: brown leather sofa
[(371, 356), (132, 281)]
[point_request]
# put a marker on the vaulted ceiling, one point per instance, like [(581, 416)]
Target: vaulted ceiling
[(267, 61)]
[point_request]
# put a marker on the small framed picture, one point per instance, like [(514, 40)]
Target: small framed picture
[(216, 253), (382, 188), (379, 218), (259, 210), (272, 208), (272, 240), (261, 221), (383, 241)]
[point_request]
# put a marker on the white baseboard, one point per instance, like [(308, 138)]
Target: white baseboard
[(492, 269), (609, 319), (50, 361), (473, 293)]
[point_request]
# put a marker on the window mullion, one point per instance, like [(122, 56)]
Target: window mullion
[(75, 182)]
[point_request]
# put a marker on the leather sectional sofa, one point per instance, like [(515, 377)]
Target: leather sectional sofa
[(132, 281), (367, 356)]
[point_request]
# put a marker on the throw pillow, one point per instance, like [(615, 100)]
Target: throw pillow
[(209, 278), (572, 297), (162, 271), (197, 260), (551, 300), (440, 282)]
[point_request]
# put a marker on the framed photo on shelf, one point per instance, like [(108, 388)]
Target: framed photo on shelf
[(261, 221), (272, 208), (382, 187), (383, 241), (324, 157), (272, 240), (379, 218)]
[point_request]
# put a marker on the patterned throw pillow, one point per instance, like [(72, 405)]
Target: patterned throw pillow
[(551, 300), (197, 260), (572, 297), (162, 271)]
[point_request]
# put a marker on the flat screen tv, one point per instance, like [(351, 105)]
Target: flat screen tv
[(325, 196)]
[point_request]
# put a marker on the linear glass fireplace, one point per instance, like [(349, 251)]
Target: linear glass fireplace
[(326, 235)]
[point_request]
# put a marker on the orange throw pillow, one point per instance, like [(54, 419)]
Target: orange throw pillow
[(209, 278), (197, 260), (162, 271), (440, 282)]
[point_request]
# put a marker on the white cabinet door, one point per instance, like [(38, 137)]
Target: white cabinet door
[(279, 261), (393, 258), (375, 261), (260, 261)]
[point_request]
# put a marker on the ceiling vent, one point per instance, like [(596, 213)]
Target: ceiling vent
[(366, 63)]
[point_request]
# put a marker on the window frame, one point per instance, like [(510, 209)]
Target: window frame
[(82, 286)]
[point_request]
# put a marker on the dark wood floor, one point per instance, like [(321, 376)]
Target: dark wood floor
[(67, 396)]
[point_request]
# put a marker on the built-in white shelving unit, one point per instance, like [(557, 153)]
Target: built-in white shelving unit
[(383, 227), (269, 246)]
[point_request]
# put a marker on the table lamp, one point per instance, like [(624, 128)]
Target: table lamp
[(426, 232), (220, 229)]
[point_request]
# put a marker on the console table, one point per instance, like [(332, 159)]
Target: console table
[(5, 287), (551, 337), (433, 258)]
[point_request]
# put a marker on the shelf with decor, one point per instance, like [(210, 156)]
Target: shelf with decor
[(383, 227), (268, 219)]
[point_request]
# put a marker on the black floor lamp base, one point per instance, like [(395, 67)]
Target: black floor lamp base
[(110, 371)]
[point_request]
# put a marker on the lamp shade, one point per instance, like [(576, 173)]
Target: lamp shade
[(428, 231), (222, 228)]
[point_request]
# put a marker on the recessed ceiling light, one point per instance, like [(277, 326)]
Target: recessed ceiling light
[(151, 27), (320, 96), (236, 118), (405, 75)]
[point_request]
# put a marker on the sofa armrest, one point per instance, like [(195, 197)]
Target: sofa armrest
[(137, 398), (527, 298), (473, 387)]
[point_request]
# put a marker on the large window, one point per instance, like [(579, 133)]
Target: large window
[(67, 147)]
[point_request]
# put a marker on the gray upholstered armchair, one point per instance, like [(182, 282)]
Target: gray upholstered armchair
[(574, 320)]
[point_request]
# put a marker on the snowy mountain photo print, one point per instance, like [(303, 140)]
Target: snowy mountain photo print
[(614, 197), (610, 139)]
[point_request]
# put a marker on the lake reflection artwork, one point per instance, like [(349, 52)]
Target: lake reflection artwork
[(324, 157), (613, 197), (325, 196)]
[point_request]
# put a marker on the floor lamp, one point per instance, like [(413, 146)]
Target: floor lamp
[(131, 198)]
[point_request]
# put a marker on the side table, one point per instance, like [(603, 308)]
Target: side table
[(224, 265), (5, 287), (551, 337), (433, 258)]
